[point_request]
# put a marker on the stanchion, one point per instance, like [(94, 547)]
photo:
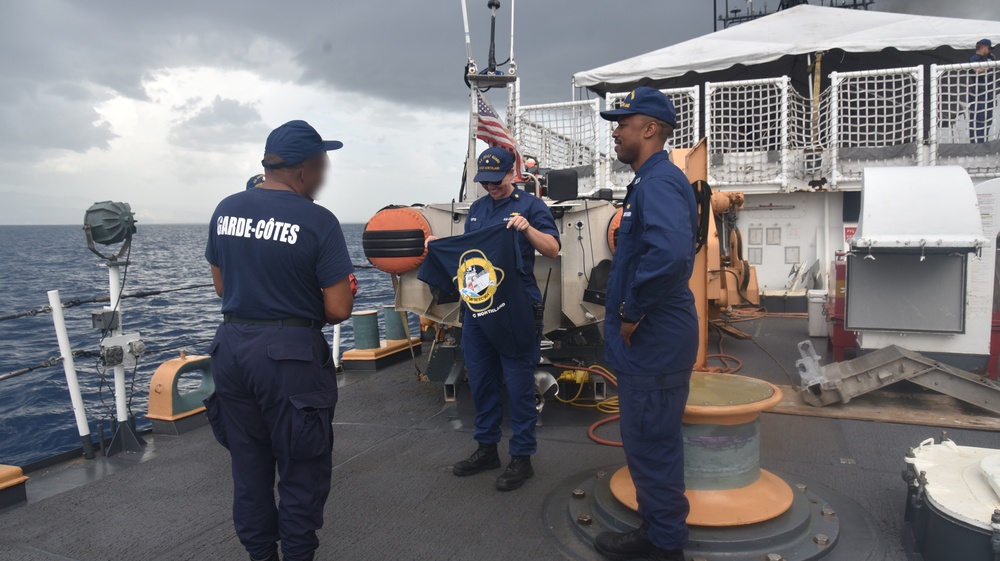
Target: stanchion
[(69, 367), (125, 438), (336, 348)]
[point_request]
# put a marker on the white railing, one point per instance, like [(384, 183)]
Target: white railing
[(964, 125), (876, 119), (747, 124), (764, 136), (562, 136), (687, 102)]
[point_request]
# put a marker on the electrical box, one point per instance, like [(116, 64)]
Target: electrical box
[(106, 320)]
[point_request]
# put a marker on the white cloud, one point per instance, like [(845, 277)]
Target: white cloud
[(200, 135)]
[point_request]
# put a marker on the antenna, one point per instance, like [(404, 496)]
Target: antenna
[(512, 32), (491, 64), (545, 295), (468, 38)]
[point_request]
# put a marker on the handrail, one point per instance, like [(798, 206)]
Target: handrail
[(77, 302)]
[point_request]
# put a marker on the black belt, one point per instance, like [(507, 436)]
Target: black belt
[(289, 322)]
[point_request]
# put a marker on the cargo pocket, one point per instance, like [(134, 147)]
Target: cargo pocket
[(215, 419), (312, 429), (296, 352)]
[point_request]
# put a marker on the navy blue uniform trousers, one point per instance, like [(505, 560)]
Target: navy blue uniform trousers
[(487, 368), (652, 411), (275, 393)]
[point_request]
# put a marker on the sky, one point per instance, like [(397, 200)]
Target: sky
[(166, 105)]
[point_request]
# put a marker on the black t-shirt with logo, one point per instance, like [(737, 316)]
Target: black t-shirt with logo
[(485, 268)]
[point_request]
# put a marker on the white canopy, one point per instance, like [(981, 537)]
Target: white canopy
[(797, 31)]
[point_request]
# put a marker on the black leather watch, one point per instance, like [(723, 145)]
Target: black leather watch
[(623, 317)]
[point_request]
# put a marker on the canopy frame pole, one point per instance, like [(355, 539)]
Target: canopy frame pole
[(932, 135), (834, 128), (785, 152)]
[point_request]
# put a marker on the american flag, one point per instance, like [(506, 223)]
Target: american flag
[(491, 130)]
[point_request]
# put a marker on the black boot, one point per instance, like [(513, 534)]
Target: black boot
[(517, 473), (485, 457), (272, 557), (625, 546), (665, 555)]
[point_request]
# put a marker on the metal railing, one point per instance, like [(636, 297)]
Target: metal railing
[(687, 102), (747, 125), (876, 119), (765, 136), (964, 123), (563, 135)]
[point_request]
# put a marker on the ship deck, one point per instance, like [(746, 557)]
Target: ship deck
[(393, 496)]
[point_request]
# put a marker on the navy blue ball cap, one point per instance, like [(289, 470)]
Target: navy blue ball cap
[(493, 165), (645, 101), (255, 181), (986, 42), (296, 142)]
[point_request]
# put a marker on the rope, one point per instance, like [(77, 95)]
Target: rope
[(141, 294), (421, 377), (176, 347), (759, 313), (53, 361), (47, 363), (78, 302)]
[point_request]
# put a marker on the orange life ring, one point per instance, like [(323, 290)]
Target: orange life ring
[(616, 221), (393, 239)]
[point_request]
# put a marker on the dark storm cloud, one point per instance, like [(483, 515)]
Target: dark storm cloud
[(61, 58), (219, 125), (44, 117), (403, 50), (415, 51)]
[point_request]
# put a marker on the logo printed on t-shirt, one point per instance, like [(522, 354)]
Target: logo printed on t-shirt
[(477, 280)]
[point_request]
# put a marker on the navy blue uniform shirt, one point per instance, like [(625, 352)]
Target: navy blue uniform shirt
[(277, 251), (486, 268), (650, 270), (982, 80), (486, 212)]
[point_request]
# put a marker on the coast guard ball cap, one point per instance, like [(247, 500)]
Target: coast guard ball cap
[(296, 142), (645, 101), (493, 165), (986, 42), (255, 181)]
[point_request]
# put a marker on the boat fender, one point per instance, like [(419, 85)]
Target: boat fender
[(616, 221), (393, 239)]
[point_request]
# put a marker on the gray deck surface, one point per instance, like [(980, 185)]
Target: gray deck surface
[(392, 496)]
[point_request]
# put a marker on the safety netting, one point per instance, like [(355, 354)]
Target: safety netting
[(747, 126), (687, 102), (561, 135), (878, 119), (965, 129)]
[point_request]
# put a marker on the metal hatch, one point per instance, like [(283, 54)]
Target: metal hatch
[(908, 264)]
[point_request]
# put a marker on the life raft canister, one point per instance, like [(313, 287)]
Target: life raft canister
[(393, 239), (616, 222)]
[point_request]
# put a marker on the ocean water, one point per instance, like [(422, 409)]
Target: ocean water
[(36, 418)]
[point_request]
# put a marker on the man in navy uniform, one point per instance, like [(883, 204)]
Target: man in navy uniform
[(651, 326), (981, 106), (281, 266), (489, 362)]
